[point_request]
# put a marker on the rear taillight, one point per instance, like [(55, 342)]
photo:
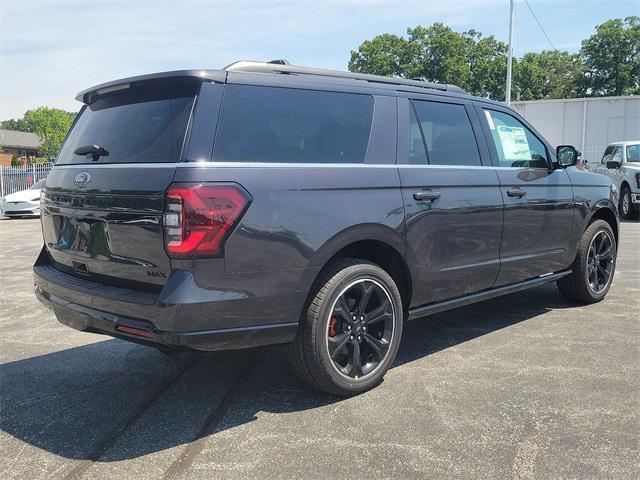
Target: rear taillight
[(198, 217)]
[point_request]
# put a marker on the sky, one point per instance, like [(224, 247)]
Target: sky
[(50, 50)]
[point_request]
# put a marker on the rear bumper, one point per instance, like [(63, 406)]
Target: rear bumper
[(90, 320), (97, 308)]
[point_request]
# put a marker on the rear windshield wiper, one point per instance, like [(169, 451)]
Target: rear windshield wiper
[(95, 151)]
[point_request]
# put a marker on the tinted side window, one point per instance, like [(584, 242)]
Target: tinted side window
[(265, 124), (516, 146), (447, 133)]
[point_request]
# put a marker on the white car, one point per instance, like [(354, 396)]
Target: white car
[(621, 163), (23, 203)]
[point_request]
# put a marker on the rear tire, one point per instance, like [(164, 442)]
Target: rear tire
[(349, 334), (593, 267)]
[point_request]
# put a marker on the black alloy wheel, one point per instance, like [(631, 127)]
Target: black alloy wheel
[(600, 262), (350, 332), (360, 328)]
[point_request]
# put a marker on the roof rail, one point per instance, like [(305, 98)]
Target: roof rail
[(283, 66)]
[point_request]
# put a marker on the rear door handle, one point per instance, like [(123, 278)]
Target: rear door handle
[(426, 196), (516, 192)]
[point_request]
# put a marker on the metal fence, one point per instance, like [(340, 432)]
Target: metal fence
[(14, 179)]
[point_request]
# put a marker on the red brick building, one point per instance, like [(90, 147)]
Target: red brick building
[(24, 145)]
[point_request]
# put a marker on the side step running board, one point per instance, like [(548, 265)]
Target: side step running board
[(486, 295)]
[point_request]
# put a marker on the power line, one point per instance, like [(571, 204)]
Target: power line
[(540, 25)]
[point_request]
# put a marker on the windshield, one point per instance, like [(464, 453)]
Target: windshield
[(140, 124), (37, 185), (633, 153)]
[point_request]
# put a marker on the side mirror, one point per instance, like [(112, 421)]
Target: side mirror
[(567, 155), (612, 164)]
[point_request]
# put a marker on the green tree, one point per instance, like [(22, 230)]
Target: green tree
[(612, 59), (548, 74), (608, 63), (443, 54), (437, 53), (19, 125), (51, 125), (387, 55), (487, 59)]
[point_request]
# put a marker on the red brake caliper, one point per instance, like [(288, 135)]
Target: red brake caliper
[(332, 327)]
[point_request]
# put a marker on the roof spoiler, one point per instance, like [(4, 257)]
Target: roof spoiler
[(85, 96)]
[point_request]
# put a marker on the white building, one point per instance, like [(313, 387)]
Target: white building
[(589, 124)]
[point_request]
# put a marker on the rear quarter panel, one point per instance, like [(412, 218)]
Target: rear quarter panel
[(298, 209)]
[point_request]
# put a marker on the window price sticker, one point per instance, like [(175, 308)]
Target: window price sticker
[(514, 143)]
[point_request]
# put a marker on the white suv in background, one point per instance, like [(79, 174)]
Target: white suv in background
[(621, 163)]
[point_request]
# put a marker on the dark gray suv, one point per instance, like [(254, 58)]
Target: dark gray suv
[(266, 203)]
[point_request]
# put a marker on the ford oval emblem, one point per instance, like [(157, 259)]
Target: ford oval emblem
[(82, 178)]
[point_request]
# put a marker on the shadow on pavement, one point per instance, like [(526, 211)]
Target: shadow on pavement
[(113, 400)]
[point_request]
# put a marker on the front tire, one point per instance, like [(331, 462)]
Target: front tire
[(350, 333), (593, 267), (627, 208)]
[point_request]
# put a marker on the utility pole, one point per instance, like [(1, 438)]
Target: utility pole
[(512, 7)]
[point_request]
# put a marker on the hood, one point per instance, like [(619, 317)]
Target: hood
[(23, 196)]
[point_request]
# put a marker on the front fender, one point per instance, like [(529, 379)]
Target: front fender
[(631, 176), (593, 194)]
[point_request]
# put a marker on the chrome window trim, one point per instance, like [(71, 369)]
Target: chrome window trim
[(316, 165), (83, 166), (208, 164)]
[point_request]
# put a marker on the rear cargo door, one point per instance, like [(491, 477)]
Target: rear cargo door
[(103, 202)]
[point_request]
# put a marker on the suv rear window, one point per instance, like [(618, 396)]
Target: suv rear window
[(137, 125), (266, 124)]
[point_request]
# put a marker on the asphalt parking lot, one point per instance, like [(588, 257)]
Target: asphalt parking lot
[(524, 386)]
